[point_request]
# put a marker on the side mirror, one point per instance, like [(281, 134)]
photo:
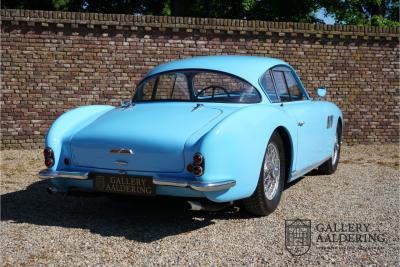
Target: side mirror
[(126, 103), (321, 92)]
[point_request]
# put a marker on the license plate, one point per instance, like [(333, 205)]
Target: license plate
[(123, 184)]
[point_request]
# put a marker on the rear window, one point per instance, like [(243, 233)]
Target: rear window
[(196, 86)]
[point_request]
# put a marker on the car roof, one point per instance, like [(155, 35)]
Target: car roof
[(249, 68)]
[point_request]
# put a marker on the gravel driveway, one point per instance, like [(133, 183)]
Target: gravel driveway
[(41, 229)]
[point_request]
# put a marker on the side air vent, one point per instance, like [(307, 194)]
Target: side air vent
[(330, 122)]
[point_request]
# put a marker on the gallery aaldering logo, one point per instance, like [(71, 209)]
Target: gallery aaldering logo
[(297, 236), (336, 235)]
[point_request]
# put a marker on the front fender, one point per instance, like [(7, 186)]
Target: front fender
[(235, 148), (66, 126)]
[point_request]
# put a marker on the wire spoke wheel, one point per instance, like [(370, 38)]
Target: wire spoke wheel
[(335, 150), (272, 170), (330, 166)]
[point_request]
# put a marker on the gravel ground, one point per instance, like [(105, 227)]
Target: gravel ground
[(42, 229)]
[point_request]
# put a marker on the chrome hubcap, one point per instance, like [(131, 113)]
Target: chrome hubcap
[(335, 150), (272, 171)]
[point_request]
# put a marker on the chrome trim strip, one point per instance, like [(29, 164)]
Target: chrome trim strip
[(120, 162), (166, 181), (121, 151), (212, 186), (195, 185), (297, 174), (47, 174)]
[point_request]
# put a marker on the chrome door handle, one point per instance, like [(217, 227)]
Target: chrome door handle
[(300, 123)]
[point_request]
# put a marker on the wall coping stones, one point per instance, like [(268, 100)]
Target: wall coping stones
[(224, 26)]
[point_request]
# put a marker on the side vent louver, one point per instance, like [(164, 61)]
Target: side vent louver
[(330, 122)]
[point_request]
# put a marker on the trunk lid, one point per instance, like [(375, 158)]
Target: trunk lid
[(156, 134)]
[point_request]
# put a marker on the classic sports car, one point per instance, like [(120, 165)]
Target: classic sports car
[(213, 129)]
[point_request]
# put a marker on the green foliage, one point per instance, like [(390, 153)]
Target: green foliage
[(61, 4), (382, 21), (359, 12), (363, 12), (288, 10)]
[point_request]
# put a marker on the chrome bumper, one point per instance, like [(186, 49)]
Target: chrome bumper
[(195, 185), (46, 174), (164, 181)]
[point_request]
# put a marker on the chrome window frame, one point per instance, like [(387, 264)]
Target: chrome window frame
[(295, 76)]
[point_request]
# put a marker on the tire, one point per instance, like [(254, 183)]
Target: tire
[(330, 166), (262, 203)]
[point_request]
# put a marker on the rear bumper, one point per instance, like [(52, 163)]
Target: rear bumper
[(162, 181), (47, 174)]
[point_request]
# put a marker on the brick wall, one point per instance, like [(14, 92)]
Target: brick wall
[(54, 61)]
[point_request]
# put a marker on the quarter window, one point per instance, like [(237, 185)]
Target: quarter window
[(281, 86), (269, 87), (294, 90), (286, 85)]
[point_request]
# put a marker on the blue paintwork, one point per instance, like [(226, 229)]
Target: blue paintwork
[(321, 91), (157, 144), (164, 136), (61, 131)]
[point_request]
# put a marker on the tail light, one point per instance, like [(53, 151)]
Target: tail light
[(49, 162), (198, 170), (48, 152), (197, 167), (198, 159), (189, 168), (48, 157)]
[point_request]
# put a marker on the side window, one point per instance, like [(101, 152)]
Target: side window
[(294, 90), (281, 86), (268, 85)]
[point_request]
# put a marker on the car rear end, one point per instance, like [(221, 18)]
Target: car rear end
[(113, 155)]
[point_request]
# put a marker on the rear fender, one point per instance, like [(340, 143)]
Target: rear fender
[(330, 109), (235, 148), (66, 126)]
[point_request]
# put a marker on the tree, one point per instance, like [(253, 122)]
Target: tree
[(277, 10), (360, 12), (363, 12), (288, 10)]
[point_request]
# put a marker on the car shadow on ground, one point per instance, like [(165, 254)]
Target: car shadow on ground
[(143, 220)]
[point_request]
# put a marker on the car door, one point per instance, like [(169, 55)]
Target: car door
[(310, 119)]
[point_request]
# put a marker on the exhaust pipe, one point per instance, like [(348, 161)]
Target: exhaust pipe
[(52, 190), (207, 206), (195, 205)]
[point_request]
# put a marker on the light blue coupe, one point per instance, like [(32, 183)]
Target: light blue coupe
[(213, 129)]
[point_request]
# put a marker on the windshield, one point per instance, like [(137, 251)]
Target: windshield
[(196, 86)]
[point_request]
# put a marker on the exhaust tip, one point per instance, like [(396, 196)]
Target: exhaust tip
[(195, 205), (51, 190), (208, 205)]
